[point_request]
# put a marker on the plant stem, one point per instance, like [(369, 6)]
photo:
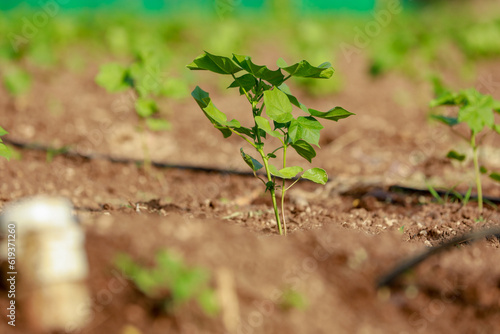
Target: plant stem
[(283, 191), (271, 190), (477, 173)]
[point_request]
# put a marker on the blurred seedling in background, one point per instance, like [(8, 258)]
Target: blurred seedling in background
[(292, 299), (4, 150), (16, 81), (476, 110), (147, 81), (266, 91), (171, 283)]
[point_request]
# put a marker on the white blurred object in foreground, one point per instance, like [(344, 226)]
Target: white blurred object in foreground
[(50, 262)]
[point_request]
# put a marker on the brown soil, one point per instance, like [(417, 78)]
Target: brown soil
[(342, 238)]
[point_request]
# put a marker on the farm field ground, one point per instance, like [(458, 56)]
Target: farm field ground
[(342, 236)]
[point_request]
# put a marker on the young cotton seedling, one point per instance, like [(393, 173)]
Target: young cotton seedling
[(477, 112), (171, 282), (268, 95), (145, 78)]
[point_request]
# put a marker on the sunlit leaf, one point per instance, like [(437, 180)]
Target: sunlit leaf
[(317, 175)]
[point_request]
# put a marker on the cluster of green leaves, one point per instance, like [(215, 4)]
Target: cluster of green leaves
[(146, 78), (477, 112), (171, 281), (4, 150), (267, 94)]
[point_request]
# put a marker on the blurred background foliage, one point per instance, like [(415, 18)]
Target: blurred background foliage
[(74, 34)]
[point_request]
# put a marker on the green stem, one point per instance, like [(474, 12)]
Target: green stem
[(477, 173), (283, 191), (272, 190)]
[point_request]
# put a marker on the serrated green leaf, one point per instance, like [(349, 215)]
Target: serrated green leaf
[(158, 124), (317, 175), (303, 69), (262, 72), (305, 128), (113, 77), (264, 124), (450, 121), (254, 164), (290, 172), (145, 107), (333, 114), (278, 106), (304, 149), (455, 155), (483, 170), (476, 117), (495, 176), (247, 82), (3, 132), (213, 63), (16, 80)]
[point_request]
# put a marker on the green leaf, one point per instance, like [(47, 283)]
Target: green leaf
[(157, 124), (278, 107), (450, 121), (483, 170), (290, 172), (246, 82), (245, 131), (145, 107), (305, 128), (113, 77), (304, 149), (264, 124), (262, 72), (477, 116), (496, 128), (273, 170), (445, 98), (213, 63), (254, 164), (333, 114), (2, 132), (317, 175), (495, 176), (214, 114), (303, 69), (455, 155), (201, 97), (5, 151), (285, 89)]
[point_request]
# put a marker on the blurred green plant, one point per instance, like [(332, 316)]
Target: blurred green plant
[(171, 282), (265, 90), (4, 150), (476, 111), (16, 80), (292, 299), (145, 77)]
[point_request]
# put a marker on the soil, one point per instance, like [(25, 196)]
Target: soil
[(342, 237)]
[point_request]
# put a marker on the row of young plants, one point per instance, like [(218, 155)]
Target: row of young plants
[(63, 39)]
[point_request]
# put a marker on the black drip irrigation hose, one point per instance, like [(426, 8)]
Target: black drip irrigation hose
[(67, 152), (389, 279)]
